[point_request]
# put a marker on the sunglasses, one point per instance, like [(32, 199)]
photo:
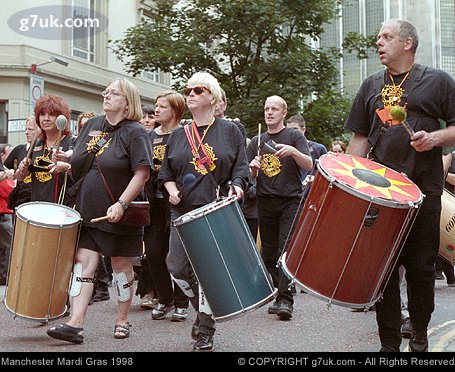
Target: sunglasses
[(197, 90)]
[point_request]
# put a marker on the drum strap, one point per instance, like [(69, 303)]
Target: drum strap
[(85, 280), (203, 164), (378, 83)]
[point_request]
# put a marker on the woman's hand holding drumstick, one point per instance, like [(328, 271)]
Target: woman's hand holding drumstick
[(113, 215)]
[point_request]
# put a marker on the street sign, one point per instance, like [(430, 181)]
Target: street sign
[(36, 90)]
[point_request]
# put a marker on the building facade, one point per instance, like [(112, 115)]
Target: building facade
[(434, 20), (62, 47)]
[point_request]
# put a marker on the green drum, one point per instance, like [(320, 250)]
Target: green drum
[(224, 257)]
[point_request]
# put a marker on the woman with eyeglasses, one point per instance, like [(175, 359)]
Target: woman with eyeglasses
[(121, 163), (208, 144)]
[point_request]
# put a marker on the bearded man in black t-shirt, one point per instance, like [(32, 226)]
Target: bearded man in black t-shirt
[(428, 95)]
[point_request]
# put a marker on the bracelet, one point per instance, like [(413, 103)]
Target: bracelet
[(123, 204)]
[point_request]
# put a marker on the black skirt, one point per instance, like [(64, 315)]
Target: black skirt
[(109, 244)]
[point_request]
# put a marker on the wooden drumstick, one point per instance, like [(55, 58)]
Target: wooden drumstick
[(259, 139), (94, 220), (32, 146)]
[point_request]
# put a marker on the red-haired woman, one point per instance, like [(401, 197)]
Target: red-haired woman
[(48, 167)]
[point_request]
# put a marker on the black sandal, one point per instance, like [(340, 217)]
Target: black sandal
[(68, 333), (122, 331)]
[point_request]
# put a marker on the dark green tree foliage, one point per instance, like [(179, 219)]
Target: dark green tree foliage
[(254, 48)]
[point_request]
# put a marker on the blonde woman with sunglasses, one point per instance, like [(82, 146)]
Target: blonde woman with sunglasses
[(209, 144)]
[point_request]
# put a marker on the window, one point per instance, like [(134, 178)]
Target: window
[(83, 45)]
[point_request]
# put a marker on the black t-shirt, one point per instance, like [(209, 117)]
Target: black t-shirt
[(225, 146), (430, 98), (158, 142), (47, 186), (127, 148), (279, 177), (15, 157), (23, 189)]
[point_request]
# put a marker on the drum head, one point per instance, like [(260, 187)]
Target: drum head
[(48, 214), (369, 178)]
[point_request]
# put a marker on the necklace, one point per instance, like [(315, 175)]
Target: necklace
[(391, 94), (195, 134)]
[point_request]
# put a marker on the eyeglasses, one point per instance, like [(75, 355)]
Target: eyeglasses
[(197, 90), (113, 93)]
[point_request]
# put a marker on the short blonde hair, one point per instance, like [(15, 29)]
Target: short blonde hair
[(281, 99), (209, 81), (134, 111)]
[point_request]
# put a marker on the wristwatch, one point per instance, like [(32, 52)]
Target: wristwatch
[(123, 204)]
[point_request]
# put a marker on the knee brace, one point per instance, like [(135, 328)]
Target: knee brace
[(123, 286), (77, 280), (184, 286), (204, 306)]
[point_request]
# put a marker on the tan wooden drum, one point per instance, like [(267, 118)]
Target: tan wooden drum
[(42, 258), (447, 227)]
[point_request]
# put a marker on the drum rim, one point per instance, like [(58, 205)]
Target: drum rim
[(25, 317), (255, 306), (44, 224), (204, 210), (316, 294), (379, 201)]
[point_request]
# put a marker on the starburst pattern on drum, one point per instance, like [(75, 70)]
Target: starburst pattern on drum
[(372, 178)]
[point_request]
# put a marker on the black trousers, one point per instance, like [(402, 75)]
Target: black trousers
[(418, 258), (278, 217), (156, 239)]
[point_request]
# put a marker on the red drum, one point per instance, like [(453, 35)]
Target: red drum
[(351, 230)]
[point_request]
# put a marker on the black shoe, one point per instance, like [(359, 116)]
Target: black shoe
[(273, 308), (68, 333), (406, 328), (418, 342), (204, 342), (101, 296), (389, 349), (284, 311)]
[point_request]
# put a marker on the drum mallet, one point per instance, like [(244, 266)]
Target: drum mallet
[(399, 113)]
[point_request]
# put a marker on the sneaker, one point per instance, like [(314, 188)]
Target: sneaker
[(148, 302), (406, 328), (439, 276), (284, 311), (204, 343), (179, 315), (418, 342), (160, 311), (273, 308), (101, 295)]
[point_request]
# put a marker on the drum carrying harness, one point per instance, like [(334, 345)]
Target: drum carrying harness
[(378, 83)]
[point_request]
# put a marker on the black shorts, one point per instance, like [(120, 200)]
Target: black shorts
[(109, 244)]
